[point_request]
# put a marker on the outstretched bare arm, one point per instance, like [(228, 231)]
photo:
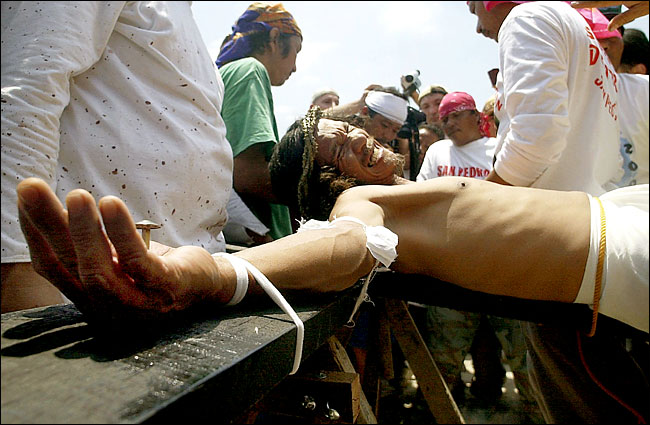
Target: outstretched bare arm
[(111, 275)]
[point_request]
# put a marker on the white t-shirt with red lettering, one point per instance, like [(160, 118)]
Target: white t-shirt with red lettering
[(557, 104), (473, 160)]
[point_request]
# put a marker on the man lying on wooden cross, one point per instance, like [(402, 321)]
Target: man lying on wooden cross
[(521, 242)]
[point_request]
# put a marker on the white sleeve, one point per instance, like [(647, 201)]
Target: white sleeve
[(44, 46), (240, 218), (533, 58)]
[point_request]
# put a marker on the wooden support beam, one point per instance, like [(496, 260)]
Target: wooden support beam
[(433, 386), (366, 415)]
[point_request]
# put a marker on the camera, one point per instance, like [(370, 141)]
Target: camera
[(413, 119), (411, 82), (410, 131)]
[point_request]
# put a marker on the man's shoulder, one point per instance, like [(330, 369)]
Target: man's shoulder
[(480, 143), (440, 146), (242, 68), (550, 12), (633, 88), (640, 80), (633, 98), (535, 7), (440, 149), (490, 141)]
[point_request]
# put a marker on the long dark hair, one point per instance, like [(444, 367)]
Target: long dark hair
[(296, 177)]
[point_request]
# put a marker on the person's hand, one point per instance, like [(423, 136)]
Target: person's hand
[(111, 277), (413, 85), (635, 9), (367, 90), (257, 238), (405, 84)]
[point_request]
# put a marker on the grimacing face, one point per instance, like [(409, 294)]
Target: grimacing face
[(355, 153)]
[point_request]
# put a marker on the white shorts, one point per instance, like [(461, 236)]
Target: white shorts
[(624, 293)]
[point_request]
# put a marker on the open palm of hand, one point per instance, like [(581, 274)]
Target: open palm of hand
[(110, 275)]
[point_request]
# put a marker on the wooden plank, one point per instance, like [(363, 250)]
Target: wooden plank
[(430, 291), (56, 369), (435, 390), (366, 415), (426, 290), (385, 347)]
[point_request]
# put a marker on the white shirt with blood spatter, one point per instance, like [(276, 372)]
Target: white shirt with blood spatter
[(118, 98)]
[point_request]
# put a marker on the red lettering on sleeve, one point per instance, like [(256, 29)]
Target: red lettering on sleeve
[(594, 53)]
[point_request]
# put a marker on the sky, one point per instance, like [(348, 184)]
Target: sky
[(348, 45)]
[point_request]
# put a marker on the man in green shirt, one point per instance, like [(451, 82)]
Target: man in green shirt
[(260, 53)]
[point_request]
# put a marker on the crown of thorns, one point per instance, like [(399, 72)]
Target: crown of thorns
[(309, 127)]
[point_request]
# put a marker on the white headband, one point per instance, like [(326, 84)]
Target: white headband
[(392, 107)]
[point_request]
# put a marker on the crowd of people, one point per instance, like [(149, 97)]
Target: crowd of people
[(118, 113)]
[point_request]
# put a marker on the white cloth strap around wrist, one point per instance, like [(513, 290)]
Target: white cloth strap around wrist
[(242, 267), (381, 242), (242, 278)]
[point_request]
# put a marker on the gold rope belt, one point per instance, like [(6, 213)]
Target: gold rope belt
[(599, 268)]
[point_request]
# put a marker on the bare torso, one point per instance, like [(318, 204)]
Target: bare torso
[(522, 242)]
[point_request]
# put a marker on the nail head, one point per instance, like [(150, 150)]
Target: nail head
[(147, 224)]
